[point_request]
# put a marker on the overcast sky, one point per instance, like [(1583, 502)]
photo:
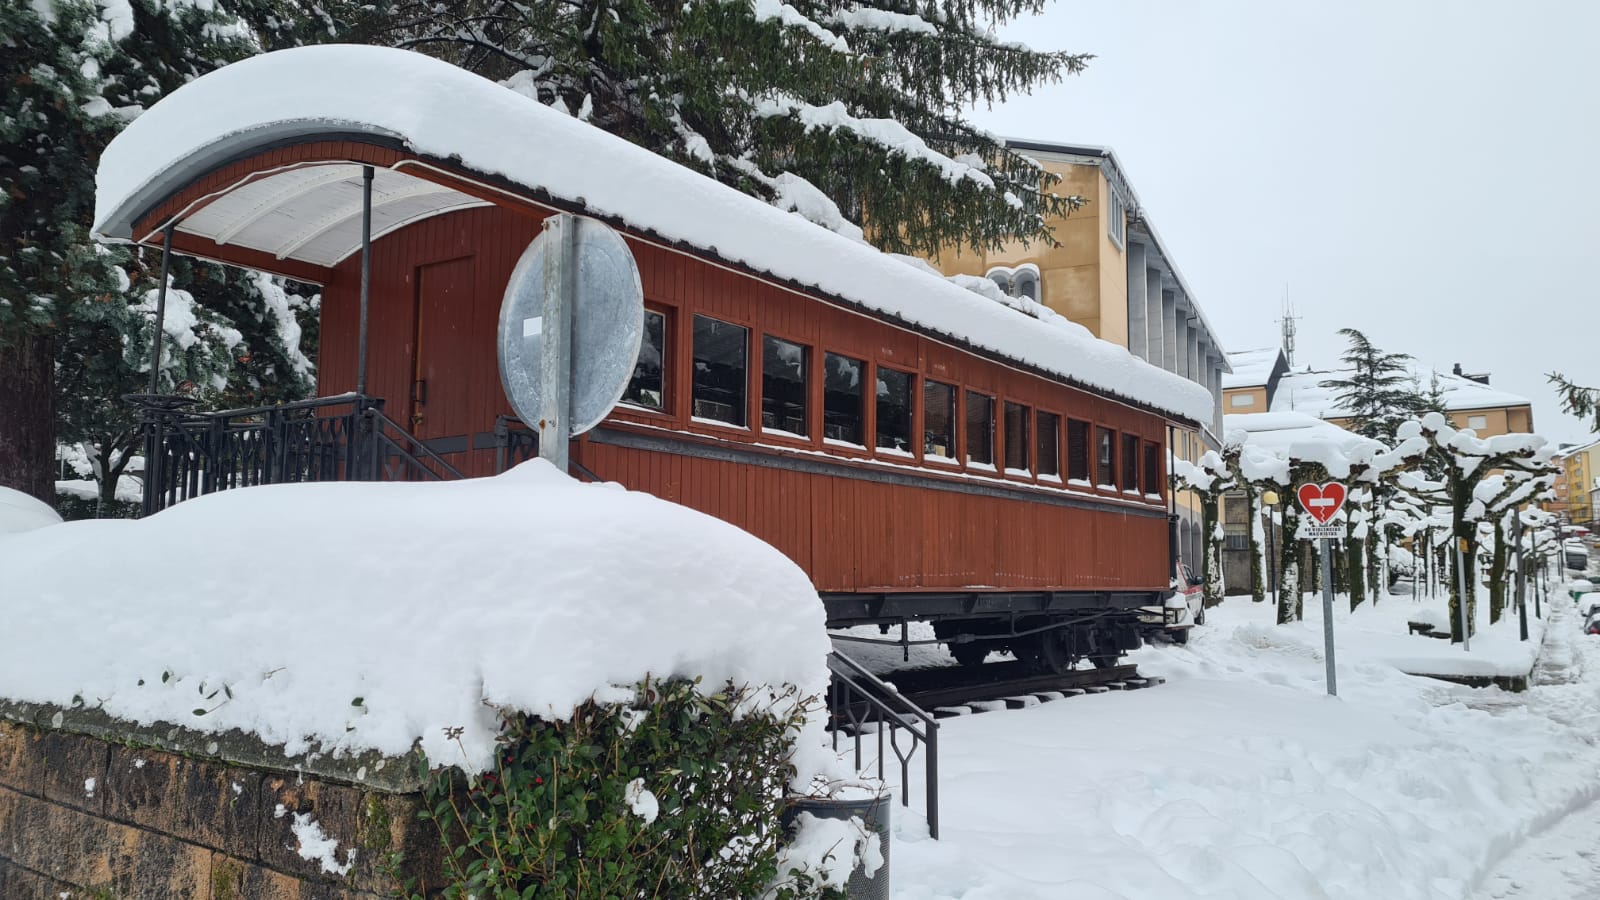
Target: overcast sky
[(1422, 171)]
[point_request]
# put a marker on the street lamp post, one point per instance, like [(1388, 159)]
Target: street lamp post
[(1270, 498)]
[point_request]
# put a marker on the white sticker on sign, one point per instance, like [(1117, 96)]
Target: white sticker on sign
[(532, 327)]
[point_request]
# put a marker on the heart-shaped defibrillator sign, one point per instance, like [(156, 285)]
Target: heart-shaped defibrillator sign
[(1322, 502)]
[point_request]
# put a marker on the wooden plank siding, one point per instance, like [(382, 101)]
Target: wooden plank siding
[(849, 532)]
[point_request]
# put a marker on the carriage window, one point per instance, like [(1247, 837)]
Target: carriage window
[(1078, 450), (1130, 463), (783, 386), (1105, 457), (1049, 444), (980, 429), (894, 409), (1017, 447), (719, 370), (938, 420), (1152, 468), (841, 399), (644, 388)]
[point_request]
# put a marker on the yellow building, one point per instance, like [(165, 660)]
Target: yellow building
[(1110, 273), (1578, 485)]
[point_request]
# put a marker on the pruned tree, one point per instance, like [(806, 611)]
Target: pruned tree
[(1467, 462), (1209, 479)]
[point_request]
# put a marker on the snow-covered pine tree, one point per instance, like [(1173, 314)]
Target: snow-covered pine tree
[(75, 318), (845, 112), (1378, 393), (1580, 401)]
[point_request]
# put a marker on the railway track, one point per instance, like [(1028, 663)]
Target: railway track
[(962, 690)]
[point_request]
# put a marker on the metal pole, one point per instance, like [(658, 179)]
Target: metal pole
[(366, 277), (1522, 580), (1272, 563), (161, 308), (555, 339), (1461, 586), (1327, 613)]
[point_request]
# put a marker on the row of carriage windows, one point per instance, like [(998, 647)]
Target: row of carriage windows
[(1031, 437)]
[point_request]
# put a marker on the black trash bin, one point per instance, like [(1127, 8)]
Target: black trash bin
[(874, 813)]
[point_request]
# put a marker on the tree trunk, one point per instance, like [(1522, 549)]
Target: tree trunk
[(1377, 559), (1497, 574), (1288, 564), (28, 416), (1211, 563), (1258, 571), (1356, 560)]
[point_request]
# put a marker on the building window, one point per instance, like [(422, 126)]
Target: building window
[(1152, 468), (980, 429), (1002, 279), (1116, 217), (1105, 457), (1130, 463), (842, 408), (894, 410), (784, 387), (1026, 283), (1240, 400), (645, 387), (720, 370), (1477, 423), (1017, 446), (1078, 451), (938, 420), (1049, 427)]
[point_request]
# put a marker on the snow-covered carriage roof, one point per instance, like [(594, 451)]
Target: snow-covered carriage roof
[(440, 112)]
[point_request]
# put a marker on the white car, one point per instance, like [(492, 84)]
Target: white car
[(1183, 609)]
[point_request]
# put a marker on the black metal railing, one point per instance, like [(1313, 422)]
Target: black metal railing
[(866, 707), (514, 442), (343, 438)]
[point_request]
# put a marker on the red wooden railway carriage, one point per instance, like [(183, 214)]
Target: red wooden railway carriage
[(921, 451)]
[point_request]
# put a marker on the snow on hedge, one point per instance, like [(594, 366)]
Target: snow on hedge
[(362, 616), (443, 111)]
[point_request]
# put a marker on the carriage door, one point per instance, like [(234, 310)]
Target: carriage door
[(441, 361)]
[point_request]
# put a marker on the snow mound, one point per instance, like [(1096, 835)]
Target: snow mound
[(21, 512), (355, 616)]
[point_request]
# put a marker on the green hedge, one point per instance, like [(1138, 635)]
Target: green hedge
[(673, 793)]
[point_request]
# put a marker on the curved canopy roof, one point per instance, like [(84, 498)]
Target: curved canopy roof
[(447, 121)]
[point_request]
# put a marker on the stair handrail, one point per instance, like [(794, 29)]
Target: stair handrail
[(851, 684)]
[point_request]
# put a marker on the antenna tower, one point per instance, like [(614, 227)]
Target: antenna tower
[(1288, 323)]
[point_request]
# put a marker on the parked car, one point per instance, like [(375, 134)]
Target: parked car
[(1182, 609), (1576, 553), (1592, 625), (1588, 603)]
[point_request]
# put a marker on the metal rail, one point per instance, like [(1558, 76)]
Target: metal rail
[(865, 705), (341, 438)]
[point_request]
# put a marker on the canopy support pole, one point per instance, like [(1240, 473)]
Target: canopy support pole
[(366, 276), (161, 307)]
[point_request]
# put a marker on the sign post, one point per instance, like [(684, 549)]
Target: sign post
[(1322, 502), (571, 324), (1461, 592)]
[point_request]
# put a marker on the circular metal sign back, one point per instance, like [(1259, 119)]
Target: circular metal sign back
[(607, 316)]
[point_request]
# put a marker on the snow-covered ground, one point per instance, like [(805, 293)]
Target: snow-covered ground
[(1240, 778)]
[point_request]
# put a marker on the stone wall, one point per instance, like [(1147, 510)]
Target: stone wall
[(93, 817)]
